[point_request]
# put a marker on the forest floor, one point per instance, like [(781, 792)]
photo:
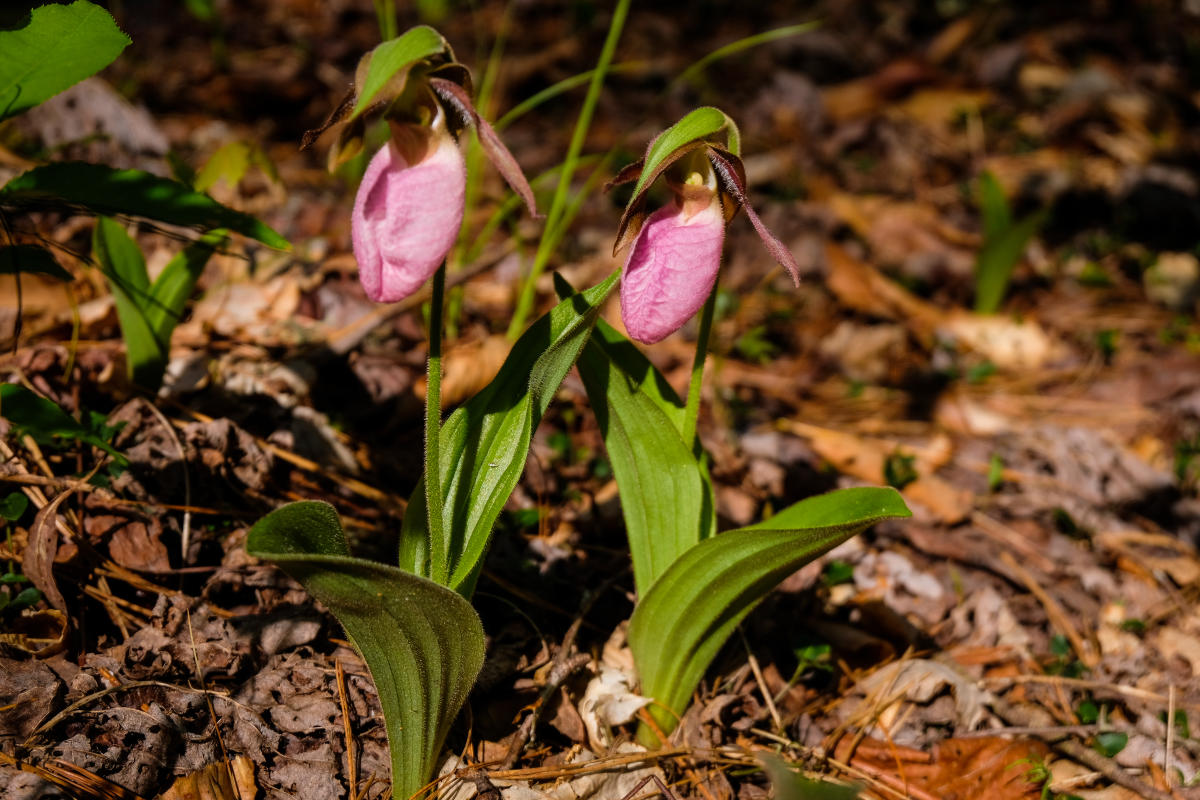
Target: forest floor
[(1032, 631)]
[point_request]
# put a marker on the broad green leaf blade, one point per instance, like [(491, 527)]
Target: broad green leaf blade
[(31, 259), (663, 492), (103, 190), (699, 123), (124, 268), (484, 444), (60, 46), (422, 643), (174, 285), (390, 62), (997, 259), (43, 420), (681, 623)]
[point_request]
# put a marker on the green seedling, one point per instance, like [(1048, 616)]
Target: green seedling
[(1004, 241), (148, 312)]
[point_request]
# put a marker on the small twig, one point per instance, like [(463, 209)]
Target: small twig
[(1057, 616), (762, 683), (185, 537), (351, 765), (1170, 744), (663, 789)]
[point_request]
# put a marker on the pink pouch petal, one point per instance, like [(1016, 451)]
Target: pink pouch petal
[(671, 270), (406, 219)]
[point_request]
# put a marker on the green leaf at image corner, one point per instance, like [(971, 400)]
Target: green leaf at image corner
[(30, 259), (485, 442), (680, 624), (103, 190), (56, 47), (390, 62), (422, 643), (42, 419)]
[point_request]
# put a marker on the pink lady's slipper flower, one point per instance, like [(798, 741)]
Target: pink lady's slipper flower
[(673, 264), (409, 206), (407, 213), (675, 254)]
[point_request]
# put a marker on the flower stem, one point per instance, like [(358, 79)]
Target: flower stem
[(433, 434), (550, 234), (691, 412)]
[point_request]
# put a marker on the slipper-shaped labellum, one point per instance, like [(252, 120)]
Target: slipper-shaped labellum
[(672, 268), (406, 218)]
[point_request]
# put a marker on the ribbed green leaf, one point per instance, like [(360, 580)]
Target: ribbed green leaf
[(422, 643), (484, 444), (103, 190), (31, 259), (124, 267), (665, 499), (681, 623), (390, 62), (60, 46)]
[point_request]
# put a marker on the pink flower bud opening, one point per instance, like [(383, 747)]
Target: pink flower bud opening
[(406, 218), (672, 268)]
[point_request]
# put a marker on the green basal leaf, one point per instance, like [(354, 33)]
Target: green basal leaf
[(174, 285), (700, 123), (664, 496), (422, 643), (124, 267), (484, 444), (60, 46), (106, 191), (31, 259), (997, 259), (681, 623), (389, 63), (43, 420)]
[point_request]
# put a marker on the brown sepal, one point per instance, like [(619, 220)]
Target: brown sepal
[(731, 175), (456, 97), (337, 115), (628, 173)]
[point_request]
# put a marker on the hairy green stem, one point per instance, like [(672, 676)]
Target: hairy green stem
[(559, 202), (691, 412), (433, 434)]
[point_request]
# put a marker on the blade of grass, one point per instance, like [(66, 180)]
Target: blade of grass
[(689, 74), (559, 202)]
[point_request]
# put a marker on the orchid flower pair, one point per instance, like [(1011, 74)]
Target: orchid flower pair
[(409, 206)]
